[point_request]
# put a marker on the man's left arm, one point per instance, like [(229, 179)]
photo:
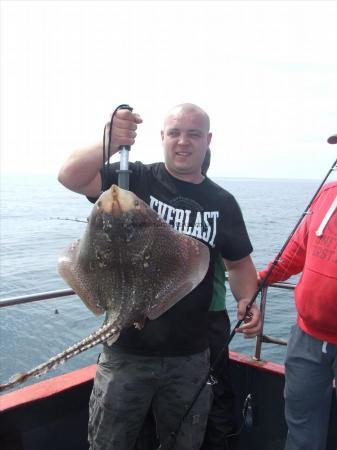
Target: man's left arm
[(243, 282)]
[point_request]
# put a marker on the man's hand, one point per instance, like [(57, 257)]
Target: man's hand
[(124, 128), (252, 323)]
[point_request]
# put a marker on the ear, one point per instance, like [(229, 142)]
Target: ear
[(162, 134), (209, 138)]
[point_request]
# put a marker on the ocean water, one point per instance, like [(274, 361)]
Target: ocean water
[(33, 235)]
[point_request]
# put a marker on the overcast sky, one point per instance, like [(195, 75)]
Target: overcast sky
[(266, 72)]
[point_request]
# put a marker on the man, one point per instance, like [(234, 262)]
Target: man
[(220, 430), (311, 361), (163, 365)]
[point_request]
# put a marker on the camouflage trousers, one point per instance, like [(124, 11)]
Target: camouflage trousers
[(126, 386)]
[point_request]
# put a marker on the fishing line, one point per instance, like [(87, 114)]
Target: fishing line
[(211, 376), (69, 218)]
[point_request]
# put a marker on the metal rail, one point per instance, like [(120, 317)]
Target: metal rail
[(13, 301), (262, 337)]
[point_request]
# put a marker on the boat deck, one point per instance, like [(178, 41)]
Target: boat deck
[(53, 414)]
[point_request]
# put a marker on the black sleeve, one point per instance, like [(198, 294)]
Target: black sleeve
[(235, 243)]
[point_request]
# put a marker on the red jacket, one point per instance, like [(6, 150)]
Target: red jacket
[(313, 251)]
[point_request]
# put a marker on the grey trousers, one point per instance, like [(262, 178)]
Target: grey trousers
[(311, 366), (127, 385)]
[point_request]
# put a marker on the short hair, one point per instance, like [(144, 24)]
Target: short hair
[(189, 107)]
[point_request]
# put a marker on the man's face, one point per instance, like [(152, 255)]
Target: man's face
[(185, 140)]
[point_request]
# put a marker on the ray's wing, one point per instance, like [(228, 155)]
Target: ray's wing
[(188, 268), (72, 273)]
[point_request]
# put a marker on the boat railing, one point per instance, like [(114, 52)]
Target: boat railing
[(261, 338), (13, 301)]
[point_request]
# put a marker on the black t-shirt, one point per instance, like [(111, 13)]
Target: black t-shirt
[(206, 212)]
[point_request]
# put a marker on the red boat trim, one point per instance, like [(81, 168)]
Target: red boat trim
[(267, 366), (47, 388), (70, 380)]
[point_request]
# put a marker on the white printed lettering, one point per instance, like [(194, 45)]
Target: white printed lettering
[(206, 234), (197, 231), (204, 227), (214, 215), (153, 202), (179, 217)]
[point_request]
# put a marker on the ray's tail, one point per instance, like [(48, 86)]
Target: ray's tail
[(104, 333)]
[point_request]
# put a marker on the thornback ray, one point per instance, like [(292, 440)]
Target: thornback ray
[(129, 264)]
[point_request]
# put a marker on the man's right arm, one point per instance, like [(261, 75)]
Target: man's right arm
[(81, 171)]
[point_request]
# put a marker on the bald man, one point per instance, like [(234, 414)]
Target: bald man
[(163, 365)]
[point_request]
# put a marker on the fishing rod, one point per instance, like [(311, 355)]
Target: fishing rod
[(123, 172), (212, 373)]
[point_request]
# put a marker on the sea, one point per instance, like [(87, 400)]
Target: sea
[(40, 218)]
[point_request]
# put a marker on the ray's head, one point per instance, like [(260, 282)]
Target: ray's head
[(186, 137), (114, 212), (117, 201)]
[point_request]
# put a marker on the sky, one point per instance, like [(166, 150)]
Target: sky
[(264, 71)]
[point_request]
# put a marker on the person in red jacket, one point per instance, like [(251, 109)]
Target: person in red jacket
[(311, 361)]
